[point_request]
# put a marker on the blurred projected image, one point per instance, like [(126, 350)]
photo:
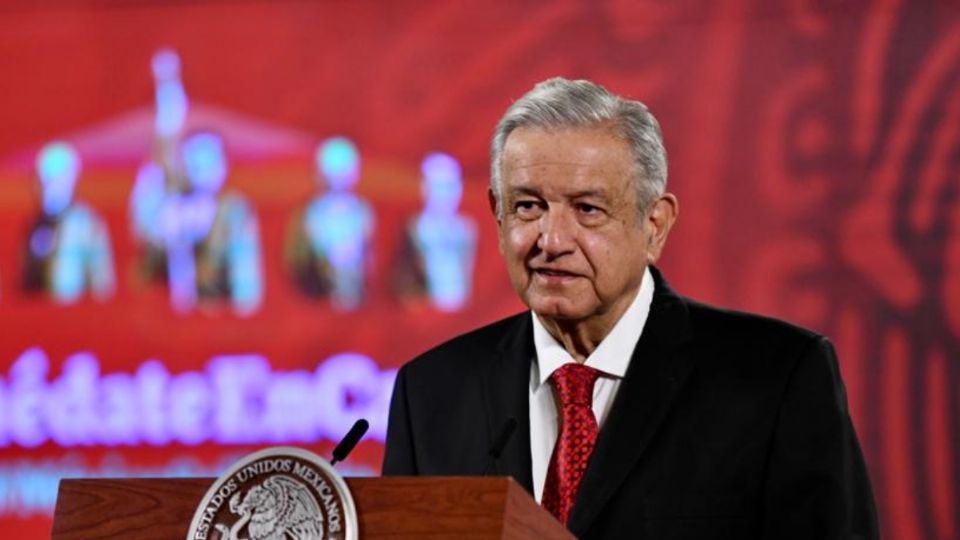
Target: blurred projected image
[(68, 249), (207, 241), (329, 249), (172, 106), (163, 174), (205, 244), (440, 243)]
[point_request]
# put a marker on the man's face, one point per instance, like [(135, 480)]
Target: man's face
[(574, 241)]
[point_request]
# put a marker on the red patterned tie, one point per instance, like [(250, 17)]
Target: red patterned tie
[(578, 434)]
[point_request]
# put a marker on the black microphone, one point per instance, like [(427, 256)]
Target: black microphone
[(496, 449), (350, 440)]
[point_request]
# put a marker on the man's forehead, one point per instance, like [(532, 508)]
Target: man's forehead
[(586, 158), (599, 131), (528, 146)]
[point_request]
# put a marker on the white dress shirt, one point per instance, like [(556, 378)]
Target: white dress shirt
[(611, 358)]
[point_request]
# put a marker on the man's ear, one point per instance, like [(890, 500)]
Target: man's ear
[(659, 220), (492, 201)]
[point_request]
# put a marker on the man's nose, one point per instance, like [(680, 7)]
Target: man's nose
[(557, 232)]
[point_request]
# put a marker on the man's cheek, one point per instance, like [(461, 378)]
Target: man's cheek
[(515, 243)]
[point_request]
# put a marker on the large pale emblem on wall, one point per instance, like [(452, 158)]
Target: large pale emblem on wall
[(279, 493)]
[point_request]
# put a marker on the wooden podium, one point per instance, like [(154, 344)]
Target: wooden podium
[(388, 507)]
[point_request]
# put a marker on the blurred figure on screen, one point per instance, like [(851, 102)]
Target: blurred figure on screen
[(170, 96), (68, 250), (210, 242), (329, 249), (439, 243), (163, 174)]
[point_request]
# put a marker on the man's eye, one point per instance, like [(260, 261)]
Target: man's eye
[(526, 208), (588, 209)]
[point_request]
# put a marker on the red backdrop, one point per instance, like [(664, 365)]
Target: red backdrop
[(814, 146)]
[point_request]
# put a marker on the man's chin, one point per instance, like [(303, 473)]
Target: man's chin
[(559, 310)]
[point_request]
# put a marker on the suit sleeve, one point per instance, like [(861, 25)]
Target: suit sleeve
[(816, 485), (399, 458)]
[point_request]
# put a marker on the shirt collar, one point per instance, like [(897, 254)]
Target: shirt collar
[(612, 355)]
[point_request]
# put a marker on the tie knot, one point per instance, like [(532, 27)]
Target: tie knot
[(574, 384)]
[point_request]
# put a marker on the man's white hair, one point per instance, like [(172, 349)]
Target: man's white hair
[(561, 103)]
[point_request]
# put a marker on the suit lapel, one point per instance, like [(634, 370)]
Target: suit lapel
[(658, 368), (506, 382)]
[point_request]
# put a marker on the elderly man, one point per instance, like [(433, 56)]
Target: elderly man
[(639, 413)]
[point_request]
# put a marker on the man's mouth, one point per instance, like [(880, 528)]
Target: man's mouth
[(547, 272)]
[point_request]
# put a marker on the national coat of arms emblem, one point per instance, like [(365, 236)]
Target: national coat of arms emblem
[(277, 494)]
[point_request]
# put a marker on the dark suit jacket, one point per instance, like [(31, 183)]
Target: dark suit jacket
[(726, 425)]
